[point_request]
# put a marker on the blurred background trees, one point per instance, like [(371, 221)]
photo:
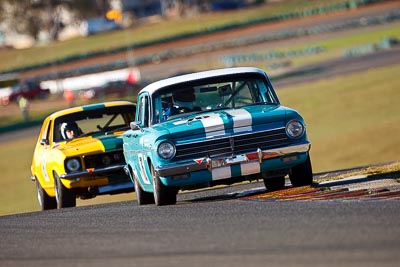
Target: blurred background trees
[(45, 19), (34, 16)]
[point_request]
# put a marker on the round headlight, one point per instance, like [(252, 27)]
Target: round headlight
[(106, 160), (295, 129), (166, 150), (73, 165)]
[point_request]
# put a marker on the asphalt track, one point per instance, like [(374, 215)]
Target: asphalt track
[(242, 225)]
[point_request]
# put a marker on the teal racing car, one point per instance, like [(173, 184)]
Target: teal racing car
[(213, 127)]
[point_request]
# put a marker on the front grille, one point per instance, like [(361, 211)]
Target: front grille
[(237, 144), (104, 159)]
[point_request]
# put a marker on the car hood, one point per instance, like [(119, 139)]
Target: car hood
[(226, 122), (90, 145)]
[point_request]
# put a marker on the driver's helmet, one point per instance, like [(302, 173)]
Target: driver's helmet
[(69, 126)]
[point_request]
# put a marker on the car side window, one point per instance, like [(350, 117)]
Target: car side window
[(144, 113), (46, 132)]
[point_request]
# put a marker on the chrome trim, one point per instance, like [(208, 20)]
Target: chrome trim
[(208, 163), (224, 146), (259, 154), (96, 171), (223, 136)]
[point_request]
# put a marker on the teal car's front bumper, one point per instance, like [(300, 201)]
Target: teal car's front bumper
[(210, 169)]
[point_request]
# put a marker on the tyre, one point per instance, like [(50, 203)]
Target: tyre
[(65, 197), (302, 174), (276, 183), (163, 195), (143, 197), (45, 201)]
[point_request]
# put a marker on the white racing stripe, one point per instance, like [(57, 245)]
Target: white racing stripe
[(221, 173), (242, 120), (213, 123), (142, 169), (245, 169), (250, 168)]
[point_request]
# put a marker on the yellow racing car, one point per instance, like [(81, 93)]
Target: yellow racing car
[(79, 154)]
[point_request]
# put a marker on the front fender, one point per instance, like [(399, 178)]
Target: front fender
[(50, 161)]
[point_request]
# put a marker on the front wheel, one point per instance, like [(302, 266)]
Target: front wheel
[(65, 197), (163, 195), (302, 174), (46, 202), (143, 197), (275, 183)]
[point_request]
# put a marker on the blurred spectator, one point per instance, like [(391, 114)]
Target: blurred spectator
[(69, 97), (24, 107)]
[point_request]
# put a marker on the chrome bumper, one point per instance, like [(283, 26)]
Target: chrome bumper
[(92, 172), (209, 164)]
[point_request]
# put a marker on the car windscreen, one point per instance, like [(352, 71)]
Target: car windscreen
[(212, 94), (95, 121)]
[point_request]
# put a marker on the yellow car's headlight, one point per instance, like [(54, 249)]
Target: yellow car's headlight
[(73, 165)]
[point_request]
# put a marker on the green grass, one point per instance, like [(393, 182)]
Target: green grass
[(150, 31), (17, 192), (351, 121)]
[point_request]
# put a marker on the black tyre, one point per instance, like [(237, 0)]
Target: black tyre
[(46, 202), (276, 183), (302, 174), (143, 197), (65, 197), (163, 195)]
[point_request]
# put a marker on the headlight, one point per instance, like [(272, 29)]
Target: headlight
[(106, 160), (73, 165), (166, 150), (295, 129)]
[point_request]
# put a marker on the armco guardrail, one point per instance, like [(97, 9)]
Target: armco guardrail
[(20, 126), (232, 60), (386, 43), (309, 12)]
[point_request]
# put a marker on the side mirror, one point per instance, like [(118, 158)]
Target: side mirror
[(44, 142), (135, 125)]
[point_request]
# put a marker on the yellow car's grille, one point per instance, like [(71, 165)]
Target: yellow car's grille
[(104, 160)]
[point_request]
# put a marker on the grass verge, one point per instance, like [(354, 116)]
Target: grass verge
[(351, 120)]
